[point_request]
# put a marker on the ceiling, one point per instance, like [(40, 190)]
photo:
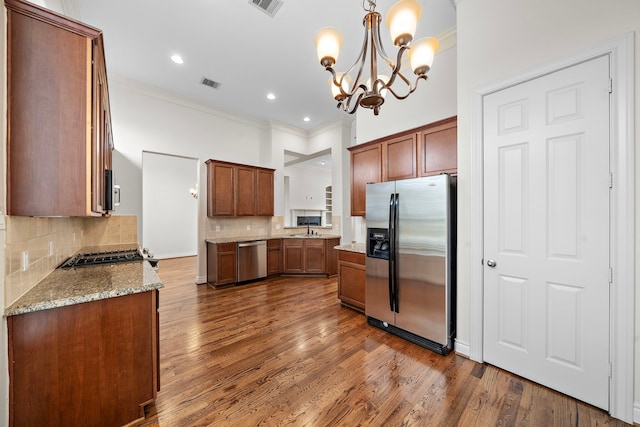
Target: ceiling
[(238, 45)]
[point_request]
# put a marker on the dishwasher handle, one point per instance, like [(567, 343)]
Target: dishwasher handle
[(256, 243)]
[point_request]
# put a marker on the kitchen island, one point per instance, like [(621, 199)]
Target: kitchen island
[(83, 346)]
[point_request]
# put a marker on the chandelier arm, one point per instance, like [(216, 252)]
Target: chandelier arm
[(359, 62), (412, 88), (396, 68), (355, 107), (377, 41)]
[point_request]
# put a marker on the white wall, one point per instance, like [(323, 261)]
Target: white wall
[(499, 39), (169, 210), (145, 119), (307, 186)]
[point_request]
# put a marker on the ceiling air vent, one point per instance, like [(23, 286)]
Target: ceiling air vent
[(211, 83), (270, 7)]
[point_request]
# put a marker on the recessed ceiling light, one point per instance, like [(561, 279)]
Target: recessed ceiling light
[(271, 96), (177, 59), (307, 119)]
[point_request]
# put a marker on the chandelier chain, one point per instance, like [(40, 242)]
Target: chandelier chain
[(372, 5)]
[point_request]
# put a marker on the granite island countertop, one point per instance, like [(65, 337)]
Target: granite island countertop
[(352, 247), (64, 287)]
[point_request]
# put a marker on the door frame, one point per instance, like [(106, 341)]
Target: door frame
[(622, 209)]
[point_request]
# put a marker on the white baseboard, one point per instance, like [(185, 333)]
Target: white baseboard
[(201, 280), (636, 413), (174, 255), (461, 348)]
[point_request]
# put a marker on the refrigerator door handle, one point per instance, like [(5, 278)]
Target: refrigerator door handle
[(394, 246), (390, 264)]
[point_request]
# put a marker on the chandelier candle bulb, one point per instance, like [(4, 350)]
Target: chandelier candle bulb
[(328, 42), (335, 89), (402, 20), (422, 53)]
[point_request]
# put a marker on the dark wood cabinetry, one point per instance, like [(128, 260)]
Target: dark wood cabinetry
[(222, 263), (274, 257), (59, 137), (238, 190), (351, 279), (94, 363), (424, 151), (220, 195), (366, 166), (400, 158), (310, 256), (438, 148), (264, 193)]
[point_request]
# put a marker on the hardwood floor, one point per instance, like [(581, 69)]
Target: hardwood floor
[(283, 351)]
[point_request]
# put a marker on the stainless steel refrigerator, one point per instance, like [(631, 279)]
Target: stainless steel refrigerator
[(410, 263)]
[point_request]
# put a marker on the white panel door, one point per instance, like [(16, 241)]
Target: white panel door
[(546, 230)]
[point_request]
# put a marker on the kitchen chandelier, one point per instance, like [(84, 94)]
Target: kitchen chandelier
[(402, 20)]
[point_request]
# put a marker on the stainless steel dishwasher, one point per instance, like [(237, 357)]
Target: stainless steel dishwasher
[(252, 260)]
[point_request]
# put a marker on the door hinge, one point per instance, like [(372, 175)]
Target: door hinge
[(610, 180), (610, 275), (610, 85), (610, 370)]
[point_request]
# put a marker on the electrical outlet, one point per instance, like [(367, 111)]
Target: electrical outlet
[(25, 260), (50, 247), (217, 228), (248, 227), (277, 226)]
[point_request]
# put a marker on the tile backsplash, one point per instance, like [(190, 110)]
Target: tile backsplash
[(41, 244)]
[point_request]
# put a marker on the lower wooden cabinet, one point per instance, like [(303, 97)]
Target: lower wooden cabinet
[(351, 279), (89, 364), (274, 257), (222, 263), (310, 256)]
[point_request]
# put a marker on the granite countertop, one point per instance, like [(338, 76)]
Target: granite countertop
[(83, 284), (352, 247), (280, 236)]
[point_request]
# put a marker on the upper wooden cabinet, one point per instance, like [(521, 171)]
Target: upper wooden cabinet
[(238, 190), (366, 166), (400, 158), (424, 151), (59, 138), (439, 149), (264, 194)]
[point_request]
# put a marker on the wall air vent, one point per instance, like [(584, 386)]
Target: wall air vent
[(270, 7), (211, 83)]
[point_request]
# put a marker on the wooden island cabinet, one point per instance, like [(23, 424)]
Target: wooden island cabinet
[(90, 364), (59, 139), (238, 190), (425, 151)]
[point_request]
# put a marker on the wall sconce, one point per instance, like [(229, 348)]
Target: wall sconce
[(194, 192)]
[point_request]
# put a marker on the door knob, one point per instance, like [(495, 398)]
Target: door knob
[(491, 263)]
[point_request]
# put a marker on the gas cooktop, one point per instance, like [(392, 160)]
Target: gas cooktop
[(98, 258)]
